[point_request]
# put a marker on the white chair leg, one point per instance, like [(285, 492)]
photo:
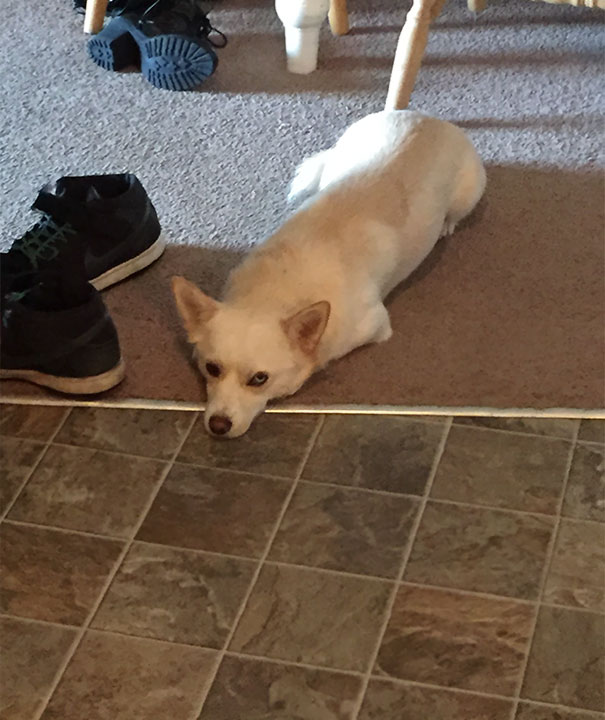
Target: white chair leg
[(302, 20)]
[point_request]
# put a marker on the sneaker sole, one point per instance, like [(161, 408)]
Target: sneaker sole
[(130, 267), (172, 62), (71, 386)]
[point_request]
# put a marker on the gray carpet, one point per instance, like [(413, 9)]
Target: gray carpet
[(510, 312)]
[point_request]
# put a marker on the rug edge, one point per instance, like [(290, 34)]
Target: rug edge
[(343, 409)]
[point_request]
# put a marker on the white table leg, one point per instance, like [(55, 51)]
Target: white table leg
[(302, 20)]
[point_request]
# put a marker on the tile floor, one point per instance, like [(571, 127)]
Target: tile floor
[(320, 568)]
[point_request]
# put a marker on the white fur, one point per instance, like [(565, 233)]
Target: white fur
[(383, 195), (308, 174)]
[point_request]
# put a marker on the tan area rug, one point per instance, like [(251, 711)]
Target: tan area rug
[(507, 313)]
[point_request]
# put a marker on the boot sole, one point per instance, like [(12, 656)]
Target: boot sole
[(169, 62), (129, 267), (172, 62), (114, 53), (71, 386)]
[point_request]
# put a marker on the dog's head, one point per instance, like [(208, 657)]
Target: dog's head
[(247, 358)]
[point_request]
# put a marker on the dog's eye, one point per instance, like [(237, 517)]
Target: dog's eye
[(213, 369), (259, 378)]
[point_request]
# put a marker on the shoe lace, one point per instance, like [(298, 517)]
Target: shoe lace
[(43, 241)]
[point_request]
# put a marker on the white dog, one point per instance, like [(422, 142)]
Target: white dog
[(383, 195)]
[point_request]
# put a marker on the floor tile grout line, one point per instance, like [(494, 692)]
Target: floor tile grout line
[(422, 499), (201, 466), (328, 571), (199, 551), (465, 591), (592, 444), (359, 489), (292, 663), (110, 631), (300, 566), (495, 597), (386, 493), (573, 608), (64, 530), (443, 501), (113, 572), (186, 463), (545, 573), (150, 638), (111, 451), (590, 714), (586, 520), (476, 693), (493, 508), (383, 493), (404, 561), (443, 688), (43, 451), (361, 675), (261, 561), (302, 481), (235, 471), (107, 631), (277, 563), (37, 621), (519, 433), (386, 679), (427, 419), (345, 573), (21, 487)]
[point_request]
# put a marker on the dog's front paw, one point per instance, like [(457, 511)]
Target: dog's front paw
[(448, 228), (298, 188), (384, 333), (307, 178)]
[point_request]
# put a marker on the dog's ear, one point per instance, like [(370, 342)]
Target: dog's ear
[(195, 308), (305, 328)]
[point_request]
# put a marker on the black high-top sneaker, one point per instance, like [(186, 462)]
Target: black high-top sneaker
[(109, 216), (170, 39), (56, 332)]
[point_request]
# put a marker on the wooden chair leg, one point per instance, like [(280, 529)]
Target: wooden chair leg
[(339, 17), (94, 16), (476, 6), (436, 9), (410, 49)]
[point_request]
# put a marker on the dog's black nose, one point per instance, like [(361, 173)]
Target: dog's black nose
[(219, 425)]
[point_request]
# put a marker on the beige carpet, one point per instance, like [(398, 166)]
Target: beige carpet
[(508, 313)]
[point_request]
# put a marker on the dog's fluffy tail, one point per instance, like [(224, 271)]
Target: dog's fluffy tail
[(307, 178)]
